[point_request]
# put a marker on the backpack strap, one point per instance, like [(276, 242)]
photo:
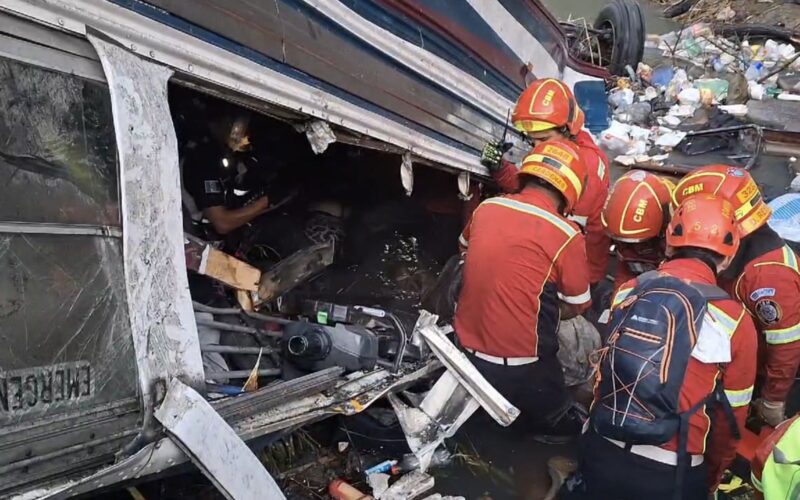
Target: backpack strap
[(717, 396)]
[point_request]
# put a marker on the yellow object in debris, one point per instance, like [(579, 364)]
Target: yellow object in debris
[(135, 493), (251, 384), (357, 406), (734, 483)]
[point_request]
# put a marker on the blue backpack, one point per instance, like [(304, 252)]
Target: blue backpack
[(652, 335)]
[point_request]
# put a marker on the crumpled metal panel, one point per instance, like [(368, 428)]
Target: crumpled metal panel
[(213, 446), (160, 308)]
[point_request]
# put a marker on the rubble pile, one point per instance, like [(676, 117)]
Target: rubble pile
[(691, 80)]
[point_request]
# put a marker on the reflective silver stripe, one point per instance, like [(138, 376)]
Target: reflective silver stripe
[(579, 219), (784, 335), (535, 211), (463, 241), (739, 398), (576, 299)]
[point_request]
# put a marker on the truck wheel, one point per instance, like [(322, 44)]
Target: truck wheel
[(623, 23)]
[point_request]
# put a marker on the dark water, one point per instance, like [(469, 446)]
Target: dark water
[(588, 9)]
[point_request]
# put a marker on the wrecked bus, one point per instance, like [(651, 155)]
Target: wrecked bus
[(387, 103)]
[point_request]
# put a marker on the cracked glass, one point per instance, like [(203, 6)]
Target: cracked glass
[(63, 316), (58, 159)]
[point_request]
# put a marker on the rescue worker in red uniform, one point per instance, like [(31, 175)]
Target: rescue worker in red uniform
[(701, 242), (635, 216), (547, 110), (525, 268), (764, 276)]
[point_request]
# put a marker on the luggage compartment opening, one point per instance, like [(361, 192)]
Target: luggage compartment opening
[(388, 247)]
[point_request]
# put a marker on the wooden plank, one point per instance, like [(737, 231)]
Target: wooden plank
[(204, 259)]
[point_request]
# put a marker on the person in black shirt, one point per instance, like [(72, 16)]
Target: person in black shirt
[(209, 169)]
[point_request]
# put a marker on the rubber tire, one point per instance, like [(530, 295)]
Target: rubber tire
[(627, 20)]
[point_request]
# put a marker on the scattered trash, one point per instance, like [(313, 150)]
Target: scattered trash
[(669, 138), (380, 468), (410, 462), (735, 109), (689, 96), (379, 483), (409, 486), (340, 490)]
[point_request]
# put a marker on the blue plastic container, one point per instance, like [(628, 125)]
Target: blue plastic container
[(592, 99)]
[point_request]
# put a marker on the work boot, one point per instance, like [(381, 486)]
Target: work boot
[(559, 468)]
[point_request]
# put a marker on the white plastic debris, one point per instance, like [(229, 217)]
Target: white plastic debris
[(682, 110), (659, 158), (735, 109), (464, 193), (407, 174), (409, 486), (689, 96), (616, 137), (320, 135), (756, 90), (670, 120), (650, 93), (679, 81), (668, 138), (625, 160), (786, 51), (620, 98), (342, 446), (379, 482), (786, 96)]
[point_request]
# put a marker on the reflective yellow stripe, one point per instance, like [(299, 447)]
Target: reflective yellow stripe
[(789, 257), (536, 211), (739, 398), (728, 323), (783, 335), (620, 296)]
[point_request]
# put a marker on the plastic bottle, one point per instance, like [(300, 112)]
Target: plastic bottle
[(754, 71)]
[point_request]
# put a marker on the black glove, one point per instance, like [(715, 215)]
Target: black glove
[(492, 155)]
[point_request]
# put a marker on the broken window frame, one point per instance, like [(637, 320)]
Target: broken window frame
[(116, 415)]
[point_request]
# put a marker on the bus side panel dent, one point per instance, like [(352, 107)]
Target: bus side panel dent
[(160, 308)]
